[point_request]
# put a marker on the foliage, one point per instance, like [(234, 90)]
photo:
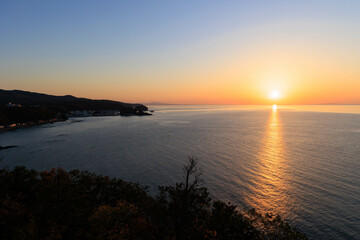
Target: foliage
[(123, 221), (57, 204)]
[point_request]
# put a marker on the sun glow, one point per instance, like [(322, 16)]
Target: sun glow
[(274, 107), (274, 95)]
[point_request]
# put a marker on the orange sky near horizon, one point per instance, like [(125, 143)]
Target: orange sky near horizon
[(301, 76), (308, 53)]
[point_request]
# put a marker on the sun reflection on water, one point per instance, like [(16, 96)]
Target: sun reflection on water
[(270, 187), (274, 107)]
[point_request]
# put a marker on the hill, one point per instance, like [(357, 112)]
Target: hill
[(23, 107), (26, 98)]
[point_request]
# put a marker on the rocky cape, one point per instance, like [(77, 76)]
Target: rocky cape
[(23, 108)]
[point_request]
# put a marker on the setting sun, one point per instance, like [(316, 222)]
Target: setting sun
[(274, 95)]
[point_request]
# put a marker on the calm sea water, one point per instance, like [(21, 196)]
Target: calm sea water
[(302, 162)]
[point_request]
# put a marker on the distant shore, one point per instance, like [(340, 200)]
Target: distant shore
[(20, 109), (15, 126)]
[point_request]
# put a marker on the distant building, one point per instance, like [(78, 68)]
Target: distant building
[(13, 105), (78, 113)]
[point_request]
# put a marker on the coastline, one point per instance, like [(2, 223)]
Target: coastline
[(15, 126), (11, 127), (20, 109)]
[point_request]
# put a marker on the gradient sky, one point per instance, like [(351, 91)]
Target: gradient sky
[(201, 52)]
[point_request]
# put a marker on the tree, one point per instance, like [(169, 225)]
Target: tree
[(187, 203)]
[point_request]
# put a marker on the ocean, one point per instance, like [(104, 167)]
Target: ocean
[(302, 162)]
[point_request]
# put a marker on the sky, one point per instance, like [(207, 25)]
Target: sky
[(184, 52)]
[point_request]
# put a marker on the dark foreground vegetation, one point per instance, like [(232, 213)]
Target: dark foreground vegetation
[(57, 204)]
